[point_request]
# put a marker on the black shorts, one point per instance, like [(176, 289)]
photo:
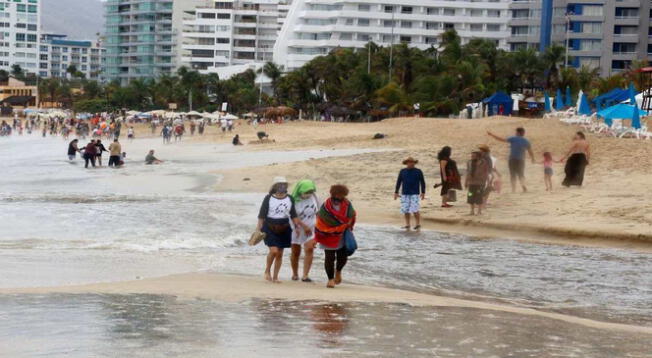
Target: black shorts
[(475, 195), (516, 168)]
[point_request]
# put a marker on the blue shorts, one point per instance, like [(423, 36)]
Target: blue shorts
[(547, 171)]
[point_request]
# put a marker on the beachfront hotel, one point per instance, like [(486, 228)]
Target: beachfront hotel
[(58, 53), (19, 34), (315, 27), (230, 36), (142, 37), (602, 34)]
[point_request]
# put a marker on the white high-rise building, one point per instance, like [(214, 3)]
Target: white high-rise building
[(232, 35), (19, 34), (315, 27), (58, 53)]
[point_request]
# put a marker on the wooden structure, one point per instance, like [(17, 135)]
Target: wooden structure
[(645, 74)]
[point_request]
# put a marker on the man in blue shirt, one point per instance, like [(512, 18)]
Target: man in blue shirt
[(518, 145), (413, 187)]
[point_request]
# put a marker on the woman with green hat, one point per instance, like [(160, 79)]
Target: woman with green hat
[(307, 205)]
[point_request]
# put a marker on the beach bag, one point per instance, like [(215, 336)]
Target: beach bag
[(451, 196), (349, 243), (256, 238)]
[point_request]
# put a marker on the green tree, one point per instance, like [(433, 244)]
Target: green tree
[(552, 58)]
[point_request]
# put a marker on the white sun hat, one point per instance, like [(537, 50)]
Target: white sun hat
[(280, 180)]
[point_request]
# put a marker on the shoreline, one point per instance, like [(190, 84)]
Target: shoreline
[(526, 233), (213, 286)]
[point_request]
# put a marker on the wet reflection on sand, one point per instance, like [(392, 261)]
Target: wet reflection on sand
[(152, 325)]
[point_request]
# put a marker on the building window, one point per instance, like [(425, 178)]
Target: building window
[(406, 39), (493, 27), (406, 9), (364, 7)]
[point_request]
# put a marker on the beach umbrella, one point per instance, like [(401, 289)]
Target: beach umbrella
[(559, 101), (548, 107), (584, 107), (636, 117), (632, 94), (569, 100), (620, 111)]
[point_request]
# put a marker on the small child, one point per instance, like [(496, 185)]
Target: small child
[(547, 170)]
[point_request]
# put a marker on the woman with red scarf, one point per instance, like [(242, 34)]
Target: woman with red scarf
[(335, 217)]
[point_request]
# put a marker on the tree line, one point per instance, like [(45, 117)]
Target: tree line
[(371, 82)]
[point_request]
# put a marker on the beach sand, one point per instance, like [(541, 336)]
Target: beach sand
[(613, 208)]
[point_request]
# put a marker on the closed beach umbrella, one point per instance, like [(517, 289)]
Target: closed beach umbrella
[(632, 94), (548, 107), (559, 101), (569, 100), (636, 118), (584, 106)]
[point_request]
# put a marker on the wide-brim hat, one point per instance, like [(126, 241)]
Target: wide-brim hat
[(410, 160), (278, 180), (484, 148)]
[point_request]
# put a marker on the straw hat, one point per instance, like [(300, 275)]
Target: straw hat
[(280, 180), (410, 159), (484, 148)]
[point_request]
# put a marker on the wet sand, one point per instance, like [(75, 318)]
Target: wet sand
[(145, 325), (232, 288)]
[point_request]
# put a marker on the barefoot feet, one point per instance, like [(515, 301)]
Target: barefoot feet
[(338, 277)]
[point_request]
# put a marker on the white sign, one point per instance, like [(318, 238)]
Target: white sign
[(225, 106)]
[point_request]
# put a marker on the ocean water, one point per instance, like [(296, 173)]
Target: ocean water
[(63, 224)]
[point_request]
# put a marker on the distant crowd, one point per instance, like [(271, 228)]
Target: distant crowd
[(482, 176)]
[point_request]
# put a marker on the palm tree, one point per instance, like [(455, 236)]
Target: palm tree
[(586, 76), (92, 89), (17, 72), (552, 58), (49, 88), (72, 70), (451, 46), (273, 72), (191, 82), (394, 98)]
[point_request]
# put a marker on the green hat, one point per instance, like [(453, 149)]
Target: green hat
[(302, 187)]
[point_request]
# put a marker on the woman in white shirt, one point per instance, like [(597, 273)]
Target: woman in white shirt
[(276, 212), (307, 205)]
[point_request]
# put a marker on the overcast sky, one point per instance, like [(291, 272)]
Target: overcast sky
[(79, 19)]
